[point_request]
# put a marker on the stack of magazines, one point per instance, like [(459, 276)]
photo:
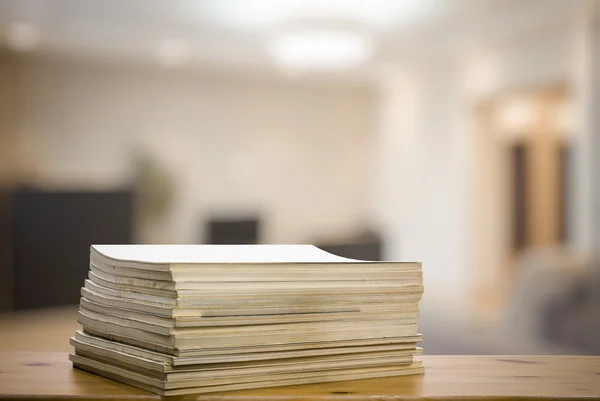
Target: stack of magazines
[(184, 319)]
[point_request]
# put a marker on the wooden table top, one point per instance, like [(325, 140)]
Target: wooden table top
[(40, 376)]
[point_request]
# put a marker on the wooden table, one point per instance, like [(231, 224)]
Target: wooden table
[(45, 376)]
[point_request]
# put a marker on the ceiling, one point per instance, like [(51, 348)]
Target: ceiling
[(236, 32)]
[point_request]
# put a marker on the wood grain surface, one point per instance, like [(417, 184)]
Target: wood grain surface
[(40, 376)]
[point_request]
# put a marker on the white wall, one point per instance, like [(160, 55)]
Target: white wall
[(297, 152), (586, 70), (421, 193)]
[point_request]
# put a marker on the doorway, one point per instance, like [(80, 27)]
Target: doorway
[(523, 152)]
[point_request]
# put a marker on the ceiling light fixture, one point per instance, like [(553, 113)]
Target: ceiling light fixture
[(22, 36), (311, 49), (173, 52)]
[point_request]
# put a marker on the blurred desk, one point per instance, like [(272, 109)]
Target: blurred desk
[(45, 376)]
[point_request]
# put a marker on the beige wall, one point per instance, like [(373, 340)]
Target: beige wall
[(7, 119), (297, 151)]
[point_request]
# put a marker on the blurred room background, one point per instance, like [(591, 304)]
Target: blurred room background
[(464, 134)]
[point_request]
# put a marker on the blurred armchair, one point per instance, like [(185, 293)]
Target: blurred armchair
[(555, 307)]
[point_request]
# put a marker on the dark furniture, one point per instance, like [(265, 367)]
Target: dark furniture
[(233, 231), (364, 246), (48, 235)]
